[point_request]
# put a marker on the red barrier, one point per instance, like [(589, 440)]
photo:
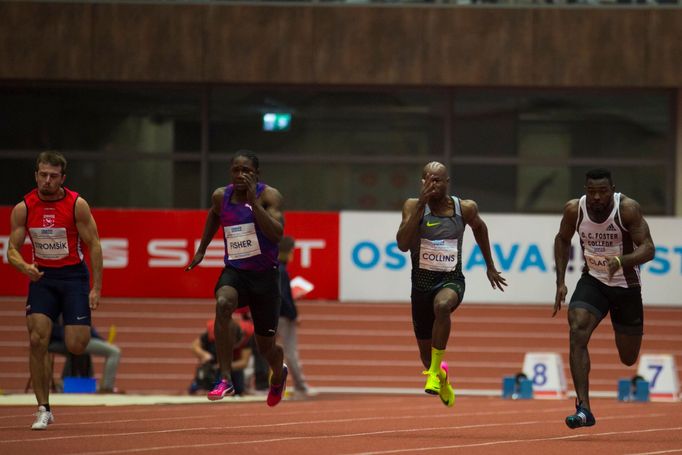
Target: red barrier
[(146, 251)]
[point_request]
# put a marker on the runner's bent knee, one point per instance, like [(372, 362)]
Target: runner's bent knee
[(441, 308), (628, 349), (225, 305)]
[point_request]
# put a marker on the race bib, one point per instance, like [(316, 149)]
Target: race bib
[(50, 243), (597, 263), (438, 255), (241, 241)]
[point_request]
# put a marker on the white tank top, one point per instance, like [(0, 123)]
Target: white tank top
[(600, 241)]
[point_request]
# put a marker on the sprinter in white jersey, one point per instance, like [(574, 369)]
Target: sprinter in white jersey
[(615, 240)]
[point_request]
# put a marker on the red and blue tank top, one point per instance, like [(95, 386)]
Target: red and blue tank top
[(52, 228)]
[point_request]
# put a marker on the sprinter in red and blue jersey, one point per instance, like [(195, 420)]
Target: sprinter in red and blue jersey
[(250, 214), (56, 220)]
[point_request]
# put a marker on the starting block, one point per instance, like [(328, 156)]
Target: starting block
[(660, 372), (636, 389), (517, 387), (545, 371), (80, 385)]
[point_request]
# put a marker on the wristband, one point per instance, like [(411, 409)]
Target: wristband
[(620, 264)]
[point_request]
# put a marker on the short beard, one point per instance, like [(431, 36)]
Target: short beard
[(47, 193)]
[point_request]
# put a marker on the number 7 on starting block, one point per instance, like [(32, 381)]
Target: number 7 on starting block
[(661, 373), (546, 371)]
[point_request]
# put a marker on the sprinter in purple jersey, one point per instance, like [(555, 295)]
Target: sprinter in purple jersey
[(250, 214)]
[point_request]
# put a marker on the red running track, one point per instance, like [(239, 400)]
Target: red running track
[(346, 345), (347, 425)]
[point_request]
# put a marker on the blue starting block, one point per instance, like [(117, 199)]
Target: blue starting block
[(629, 390), (517, 388), (80, 385)]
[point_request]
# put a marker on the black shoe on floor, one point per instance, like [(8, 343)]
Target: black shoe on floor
[(581, 418)]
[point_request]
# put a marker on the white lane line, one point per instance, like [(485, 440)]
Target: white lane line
[(318, 422), (236, 407), (506, 349), (128, 360), (328, 304), (538, 323), (406, 334), (226, 427), (515, 441), (266, 413), (347, 435), (133, 315), (656, 453)]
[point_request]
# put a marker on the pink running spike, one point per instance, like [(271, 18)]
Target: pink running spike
[(220, 390), (277, 391)]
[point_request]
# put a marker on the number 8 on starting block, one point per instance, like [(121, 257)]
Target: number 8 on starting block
[(546, 371), (661, 373)]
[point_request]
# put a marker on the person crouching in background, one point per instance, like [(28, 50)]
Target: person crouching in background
[(204, 348)]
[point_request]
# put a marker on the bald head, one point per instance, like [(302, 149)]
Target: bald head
[(435, 181), (434, 168)]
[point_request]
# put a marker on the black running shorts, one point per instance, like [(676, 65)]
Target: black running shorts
[(423, 315), (259, 290), (625, 304)]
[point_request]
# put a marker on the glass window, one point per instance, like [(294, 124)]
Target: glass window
[(92, 119), (121, 142), (600, 123), (511, 150), (340, 124), (485, 124), (140, 184), (15, 184), (187, 186), (493, 187), (549, 136)]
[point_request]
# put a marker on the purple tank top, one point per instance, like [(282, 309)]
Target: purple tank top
[(246, 247)]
